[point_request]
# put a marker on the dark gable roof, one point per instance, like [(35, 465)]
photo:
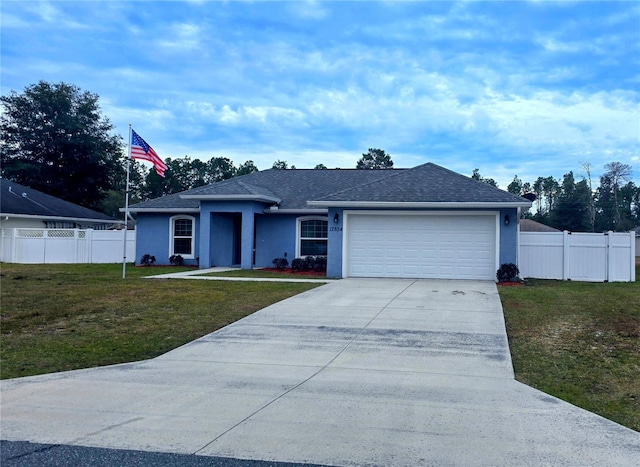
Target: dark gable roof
[(171, 202), (427, 183), (529, 225), (292, 188), (21, 200), (302, 189)]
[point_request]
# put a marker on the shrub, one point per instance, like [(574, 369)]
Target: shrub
[(320, 264), (508, 272), (280, 263), (147, 260), (309, 263), (176, 260), (298, 264)]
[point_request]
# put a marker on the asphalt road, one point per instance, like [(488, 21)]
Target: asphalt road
[(24, 454)]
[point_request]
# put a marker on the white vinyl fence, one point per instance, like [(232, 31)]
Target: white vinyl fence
[(40, 246), (589, 257)]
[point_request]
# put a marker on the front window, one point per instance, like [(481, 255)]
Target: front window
[(182, 236), (313, 237)]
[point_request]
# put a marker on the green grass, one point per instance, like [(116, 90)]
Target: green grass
[(63, 317), (580, 342)]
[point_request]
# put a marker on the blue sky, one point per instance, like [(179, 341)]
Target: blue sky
[(527, 88)]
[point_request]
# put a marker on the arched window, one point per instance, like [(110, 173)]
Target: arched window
[(182, 237), (312, 236)]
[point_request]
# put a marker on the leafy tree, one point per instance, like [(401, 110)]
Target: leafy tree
[(219, 168), (375, 159), (551, 189), (489, 181), (571, 209), (115, 198), (54, 139), (282, 165), (515, 186), (320, 167), (246, 168)]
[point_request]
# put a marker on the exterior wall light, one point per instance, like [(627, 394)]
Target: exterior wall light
[(506, 219), (336, 218)]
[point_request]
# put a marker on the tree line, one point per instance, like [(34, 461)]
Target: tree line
[(578, 205), (54, 139)]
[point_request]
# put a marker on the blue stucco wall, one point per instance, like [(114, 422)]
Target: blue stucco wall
[(152, 237), (275, 237), (509, 237), (212, 250), (334, 247)]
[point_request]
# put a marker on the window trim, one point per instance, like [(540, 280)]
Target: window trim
[(172, 221), (299, 237)]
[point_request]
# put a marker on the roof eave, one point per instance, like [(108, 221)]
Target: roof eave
[(161, 210), (420, 204), (270, 210), (61, 218), (263, 198)]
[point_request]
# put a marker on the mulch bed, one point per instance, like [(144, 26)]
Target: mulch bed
[(296, 273)]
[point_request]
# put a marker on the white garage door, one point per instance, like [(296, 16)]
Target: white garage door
[(422, 246)]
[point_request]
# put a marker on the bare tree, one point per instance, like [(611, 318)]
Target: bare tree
[(586, 167), (617, 173)]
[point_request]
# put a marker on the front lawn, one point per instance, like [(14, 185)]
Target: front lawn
[(63, 317), (580, 342)]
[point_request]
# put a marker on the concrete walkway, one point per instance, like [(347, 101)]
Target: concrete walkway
[(198, 274), (356, 372)]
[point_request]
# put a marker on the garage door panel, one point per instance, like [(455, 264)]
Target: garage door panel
[(421, 246)]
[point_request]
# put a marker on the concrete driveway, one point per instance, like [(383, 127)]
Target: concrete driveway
[(356, 372)]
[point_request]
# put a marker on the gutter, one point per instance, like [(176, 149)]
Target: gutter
[(59, 218), (264, 198), (196, 210), (419, 204)]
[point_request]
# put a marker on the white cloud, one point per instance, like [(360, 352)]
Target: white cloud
[(182, 37)]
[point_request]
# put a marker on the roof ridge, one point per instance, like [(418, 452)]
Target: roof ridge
[(249, 187)]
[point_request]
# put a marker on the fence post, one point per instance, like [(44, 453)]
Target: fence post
[(14, 247), (566, 251), (89, 246), (632, 255), (76, 244), (608, 257)]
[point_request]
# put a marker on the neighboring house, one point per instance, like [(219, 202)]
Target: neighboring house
[(424, 222), (23, 207), (528, 225)]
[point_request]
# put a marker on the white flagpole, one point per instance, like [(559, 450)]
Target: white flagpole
[(126, 210)]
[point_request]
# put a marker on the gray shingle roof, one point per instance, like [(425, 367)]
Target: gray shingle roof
[(21, 200), (529, 225), (293, 187), (172, 202), (427, 183)]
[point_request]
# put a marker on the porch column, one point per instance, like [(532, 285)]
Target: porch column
[(246, 256), (204, 248)]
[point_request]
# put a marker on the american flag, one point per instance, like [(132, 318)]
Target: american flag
[(141, 150)]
